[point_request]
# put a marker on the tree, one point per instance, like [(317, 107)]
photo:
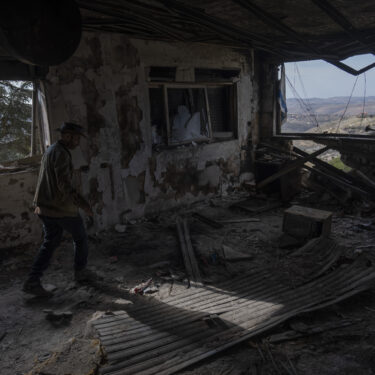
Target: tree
[(15, 119)]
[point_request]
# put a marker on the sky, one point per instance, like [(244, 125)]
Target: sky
[(323, 80)]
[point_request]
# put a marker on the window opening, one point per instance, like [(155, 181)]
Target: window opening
[(16, 119), (185, 113), (188, 115), (157, 108), (322, 99)]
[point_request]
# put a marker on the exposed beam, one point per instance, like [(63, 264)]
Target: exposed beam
[(272, 21), (187, 17), (122, 14), (291, 167), (341, 20), (221, 27), (275, 23)]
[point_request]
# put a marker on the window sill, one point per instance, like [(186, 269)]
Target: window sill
[(26, 164), (192, 144), (323, 136)]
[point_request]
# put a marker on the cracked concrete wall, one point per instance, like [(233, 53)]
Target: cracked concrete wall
[(104, 88)]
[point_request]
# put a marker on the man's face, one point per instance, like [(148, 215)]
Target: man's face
[(71, 140), (76, 138)]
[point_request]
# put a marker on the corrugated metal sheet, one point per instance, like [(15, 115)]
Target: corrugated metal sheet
[(164, 337)]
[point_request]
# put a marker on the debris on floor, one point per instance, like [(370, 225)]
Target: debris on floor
[(171, 335), (261, 284), (75, 357), (58, 317), (140, 289)]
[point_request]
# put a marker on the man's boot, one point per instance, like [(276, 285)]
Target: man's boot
[(33, 286)]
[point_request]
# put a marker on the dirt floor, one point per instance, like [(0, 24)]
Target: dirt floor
[(339, 339)]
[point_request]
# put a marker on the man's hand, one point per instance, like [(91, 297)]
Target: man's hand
[(88, 211), (82, 203)]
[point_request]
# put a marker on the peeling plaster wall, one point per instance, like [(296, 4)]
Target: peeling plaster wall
[(104, 88), (18, 224)]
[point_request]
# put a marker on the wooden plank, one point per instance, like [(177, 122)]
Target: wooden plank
[(235, 221), (291, 167), (206, 220), (309, 330), (184, 250), (193, 260), (258, 210), (340, 183)]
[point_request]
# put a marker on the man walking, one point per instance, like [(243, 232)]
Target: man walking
[(57, 206)]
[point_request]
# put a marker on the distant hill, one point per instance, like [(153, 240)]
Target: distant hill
[(334, 106)]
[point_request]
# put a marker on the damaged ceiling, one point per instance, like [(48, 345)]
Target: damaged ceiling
[(289, 30)]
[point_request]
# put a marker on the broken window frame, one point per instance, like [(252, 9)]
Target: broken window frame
[(166, 114), (40, 137), (199, 85)]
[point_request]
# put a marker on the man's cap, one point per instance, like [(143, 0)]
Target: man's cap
[(70, 127)]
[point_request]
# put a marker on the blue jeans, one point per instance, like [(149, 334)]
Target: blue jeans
[(53, 228)]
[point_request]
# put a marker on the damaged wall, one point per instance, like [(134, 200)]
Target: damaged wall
[(104, 88), (18, 224)]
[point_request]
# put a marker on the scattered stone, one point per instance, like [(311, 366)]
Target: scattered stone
[(120, 228), (50, 287), (121, 301)]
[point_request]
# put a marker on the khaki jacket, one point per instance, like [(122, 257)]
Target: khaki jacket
[(54, 194)]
